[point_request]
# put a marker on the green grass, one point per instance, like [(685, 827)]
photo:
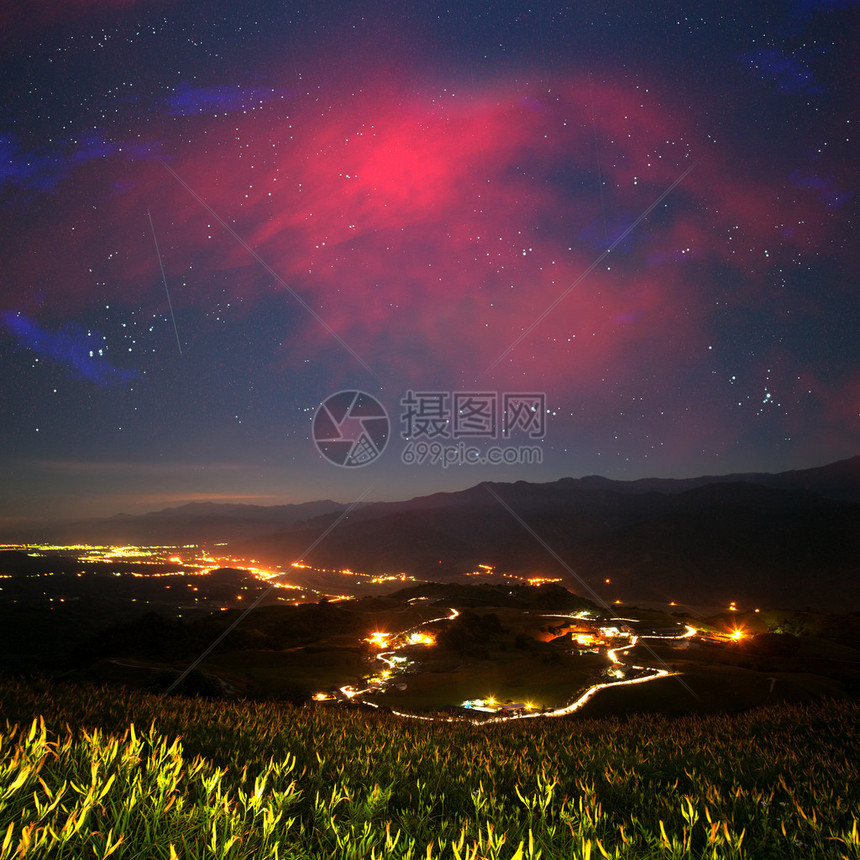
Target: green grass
[(202, 779)]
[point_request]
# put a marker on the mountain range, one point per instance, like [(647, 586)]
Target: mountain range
[(789, 540)]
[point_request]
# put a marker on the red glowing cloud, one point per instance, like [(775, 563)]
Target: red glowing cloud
[(431, 231)]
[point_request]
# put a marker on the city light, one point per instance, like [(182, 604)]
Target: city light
[(183, 567), (541, 580)]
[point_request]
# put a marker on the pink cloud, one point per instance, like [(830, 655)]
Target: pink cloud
[(430, 233)]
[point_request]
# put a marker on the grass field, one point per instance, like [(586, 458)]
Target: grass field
[(101, 772)]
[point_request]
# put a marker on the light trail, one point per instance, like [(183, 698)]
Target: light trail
[(557, 712), (612, 653), (451, 617), (386, 659), (565, 711), (164, 279), (687, 634), (577, 616)]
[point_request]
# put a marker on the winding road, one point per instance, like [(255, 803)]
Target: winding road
[(568, 709)]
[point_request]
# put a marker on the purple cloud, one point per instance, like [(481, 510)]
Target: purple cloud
[(80, 350)]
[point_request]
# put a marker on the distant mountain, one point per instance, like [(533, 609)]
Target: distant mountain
[(787, 540), (840, 480), (196, 522)]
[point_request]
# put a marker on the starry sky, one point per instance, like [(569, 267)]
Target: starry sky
[(217, 214)]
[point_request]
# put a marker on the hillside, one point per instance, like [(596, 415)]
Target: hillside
[(709, 545), (166, 778), (790, 540)]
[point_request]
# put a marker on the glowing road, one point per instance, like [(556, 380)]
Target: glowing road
[(568, 709)]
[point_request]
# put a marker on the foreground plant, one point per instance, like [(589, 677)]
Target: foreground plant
[(259, 780)]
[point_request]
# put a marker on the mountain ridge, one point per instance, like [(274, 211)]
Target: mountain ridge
[(791, 539), (839, 480)]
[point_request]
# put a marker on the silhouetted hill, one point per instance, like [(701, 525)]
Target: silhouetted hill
[(791, 539), (839, 481), (712, 544)]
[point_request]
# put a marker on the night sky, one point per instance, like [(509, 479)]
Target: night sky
[(646, 212)]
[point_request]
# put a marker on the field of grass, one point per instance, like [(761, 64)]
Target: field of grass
[(93, 772)]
